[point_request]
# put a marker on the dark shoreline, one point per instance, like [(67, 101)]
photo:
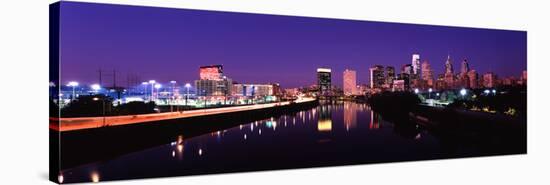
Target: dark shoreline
[(95, 145)]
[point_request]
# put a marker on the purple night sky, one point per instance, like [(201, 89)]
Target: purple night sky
[(170, 44)]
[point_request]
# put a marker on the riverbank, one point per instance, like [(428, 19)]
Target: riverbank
[(78, 147)]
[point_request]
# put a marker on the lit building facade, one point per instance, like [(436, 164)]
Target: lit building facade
[(212, 72), (489, 80), (390, 75), (253, 90), (427, 73), (376, 77), (212, 82), (415, 64), (324, 80), (350, 82)]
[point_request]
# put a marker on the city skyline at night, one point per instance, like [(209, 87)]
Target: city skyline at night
[(171, 44)]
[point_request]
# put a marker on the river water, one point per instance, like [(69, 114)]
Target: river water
[(336, 133)]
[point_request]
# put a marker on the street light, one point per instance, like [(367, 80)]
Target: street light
[(173, 82), (187, 86), (430, 93), (494, 91), (157, 86), (74, 85), (416, 91), (95, 87), (463, 93), (152, 82)]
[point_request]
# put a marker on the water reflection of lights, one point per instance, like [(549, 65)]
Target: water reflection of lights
[(418, 136), (173, 153), (180, 148), (251, 127), (60, 178), (244, 136), (324, 125), (200, 152), (260, 131), (95, 177)]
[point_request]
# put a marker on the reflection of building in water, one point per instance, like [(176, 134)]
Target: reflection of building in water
[(374, 120), (325, 119), (350, 115)]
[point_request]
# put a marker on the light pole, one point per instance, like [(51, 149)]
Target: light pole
[(173, 94), (204, 92), (152, 82), (74, 85), (430, 93), (97, 87), (187, 86), (157, 86), (145, 89)]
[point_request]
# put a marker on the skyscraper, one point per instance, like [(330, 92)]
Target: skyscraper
[(350, 82), (376, 76), (416, 64), (464, 67), (448, 65), (427, 73), (390, 75), (473, 77), (324, 80), (212, 82), (489, 80), (449, 76)]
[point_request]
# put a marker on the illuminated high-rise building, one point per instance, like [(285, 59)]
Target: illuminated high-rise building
[(473, 77), (464, 67), (212, 72), (427, 73), (212, 82), (489, 80), (415, 64), (324, 80), (449, 65), (449, 76), (390, 75), (350, 82), (376, 76)]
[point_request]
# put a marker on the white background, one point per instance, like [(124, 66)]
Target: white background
[(24, 89)]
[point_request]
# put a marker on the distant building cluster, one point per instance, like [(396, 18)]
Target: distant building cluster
[(414, 75), (421, 76), (213, 83)]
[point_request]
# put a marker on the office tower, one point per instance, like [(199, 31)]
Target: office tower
[(489, 80), (390, 75), (449, 76), (427, 73), (473, 77), (415, 64), (212, 72), (376, 76), (212, 82), (464, 67), (350, 82), (324, 80)]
